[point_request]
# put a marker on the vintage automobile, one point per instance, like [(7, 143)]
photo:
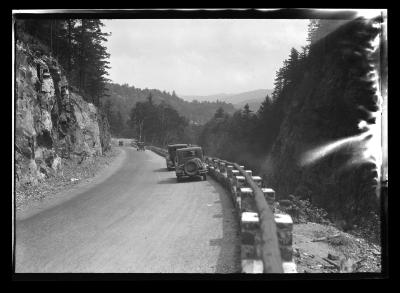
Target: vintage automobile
[(171, 157), (140, 146), (190, 163)]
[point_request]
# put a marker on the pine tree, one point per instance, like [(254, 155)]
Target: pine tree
[(246, 111), (150, 99), (304, 52), (92, 58), (219, 113), (278, 83), (292, 64), (312, 28), (265, 107), (79, 47)]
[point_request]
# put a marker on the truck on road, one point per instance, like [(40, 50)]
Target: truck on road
[(171, 157), (190, 163)]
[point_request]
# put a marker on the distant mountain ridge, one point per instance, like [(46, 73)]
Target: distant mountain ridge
[(253, 98), (122, 98)]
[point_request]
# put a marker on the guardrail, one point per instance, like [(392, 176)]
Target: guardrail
[(266, 238), (157, 150)]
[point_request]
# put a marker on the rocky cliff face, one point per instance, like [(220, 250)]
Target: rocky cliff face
[(51, 121), (325, 109)]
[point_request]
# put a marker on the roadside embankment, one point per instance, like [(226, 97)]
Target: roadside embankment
[(74, 176)]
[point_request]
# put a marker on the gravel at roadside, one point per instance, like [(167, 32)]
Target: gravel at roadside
[(71, 175), (325, 249)]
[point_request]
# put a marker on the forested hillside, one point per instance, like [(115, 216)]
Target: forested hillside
[(331, 99), (323, 96), (160, 124), (122, 98)]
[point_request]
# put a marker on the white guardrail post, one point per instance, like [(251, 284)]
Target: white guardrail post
[(244, 202)]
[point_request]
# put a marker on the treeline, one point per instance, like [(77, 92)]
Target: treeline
[(245, 136), (257, 131), (122, 98), (78, 45), (321, 93), (158, 124)]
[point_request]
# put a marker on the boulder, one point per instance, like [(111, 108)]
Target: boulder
[(56, 164)]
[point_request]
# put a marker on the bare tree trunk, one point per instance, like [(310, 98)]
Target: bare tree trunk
[(82, 49), (69, 47)]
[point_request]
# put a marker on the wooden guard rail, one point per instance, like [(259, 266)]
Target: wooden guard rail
[(159, 151), (270, 252), (271, 256), (270, 247)]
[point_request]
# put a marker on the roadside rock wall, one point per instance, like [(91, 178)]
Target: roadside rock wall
[(51, 121)]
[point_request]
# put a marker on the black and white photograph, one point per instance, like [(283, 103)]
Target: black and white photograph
[(218, 142)]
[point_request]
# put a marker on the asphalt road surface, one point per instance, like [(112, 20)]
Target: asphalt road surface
[(138, 220)]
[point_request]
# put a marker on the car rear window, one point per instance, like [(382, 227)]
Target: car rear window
[(192, 153), (173, 149), (188, 154)]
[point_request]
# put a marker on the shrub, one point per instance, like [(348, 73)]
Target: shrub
[(302, 211)]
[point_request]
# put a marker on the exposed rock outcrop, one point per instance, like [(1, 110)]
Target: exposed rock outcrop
[(51, 122)]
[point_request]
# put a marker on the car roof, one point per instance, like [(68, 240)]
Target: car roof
[(176, 145), (189, 149)]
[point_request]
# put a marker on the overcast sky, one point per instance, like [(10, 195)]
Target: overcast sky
[(201, 56)]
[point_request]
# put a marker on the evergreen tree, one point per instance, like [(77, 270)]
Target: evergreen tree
[(292, 65), (278, 83), (246, 111), (312, 28), (79, 47), (219, 113), (150, 99), (92, 58), (158, 124)]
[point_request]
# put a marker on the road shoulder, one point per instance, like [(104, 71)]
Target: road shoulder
[(69, 191)]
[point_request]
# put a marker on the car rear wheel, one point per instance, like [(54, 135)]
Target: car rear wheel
[(191, 167)]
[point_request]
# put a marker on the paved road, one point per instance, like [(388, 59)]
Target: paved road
[(138, 220)]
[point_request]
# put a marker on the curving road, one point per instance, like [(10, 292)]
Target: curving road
[(138, 220)]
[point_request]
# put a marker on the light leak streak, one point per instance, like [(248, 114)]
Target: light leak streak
[(367, 145)]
